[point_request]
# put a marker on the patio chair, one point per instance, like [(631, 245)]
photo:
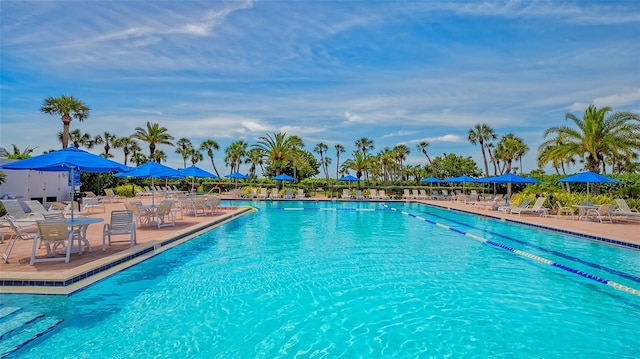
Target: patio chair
[(624, 210), (88, 204), (36, 208), (19, 233), (346, 193), (601, 214), (564, 210), (287, 194), (358, 195), (142, 216), (406, 194), (110, 196), (213, 203), (415, 194), (274, 193), (164, 216), (55, 235), (373, 194), (199, 206), (423, 194), (536, 208), (263, 193), (507, 209), (300, 194), (15, 210), (383, 195), (122, 223)]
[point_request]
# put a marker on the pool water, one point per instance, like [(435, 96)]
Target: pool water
[(344, 279)]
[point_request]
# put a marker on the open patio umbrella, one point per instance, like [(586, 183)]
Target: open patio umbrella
[(151, 170), (431, 180), (194, 172), (509, 179), (236, 176), (588, 178), (283, 177), (460, 179), (349, 179), (70, 159)]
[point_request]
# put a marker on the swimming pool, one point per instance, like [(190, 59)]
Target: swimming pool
[(345, 279)]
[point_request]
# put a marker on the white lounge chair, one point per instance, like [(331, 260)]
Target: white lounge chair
[(300, 194), (383, 195), (164, 215), (274, 193), (358, 195), (263, 194), (602, 213), (537, 208), (19, 233), (88, 204), (507, 209), (287, 194), (624, 210)]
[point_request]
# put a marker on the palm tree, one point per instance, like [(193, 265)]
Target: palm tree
[(235, 154), (78, 138), (400, 153), (154, 134), (210, 145), (509, 148), (597, 136), (321, 148), (138, 157), (279, 149), (254, 157), (184, 147), (479, 134), (339, 149), (159, 156), (21, 155), (359, 163), (196, 156), (68, 107), (422, 146), (365, 144), (128, 146), (108, 139)]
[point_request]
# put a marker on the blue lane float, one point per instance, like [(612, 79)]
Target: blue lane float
[(539, 259)]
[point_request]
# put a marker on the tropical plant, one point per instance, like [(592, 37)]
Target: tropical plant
[(508, 149), (452, 165), (159, 156), (21, 155), (128, 145), (234, 154), (359, 163), (339, 149), (598, 135), (400, 153), (78, 138), (254, 158), (279, 149), (365, 144), (108, 140), (210, 145), (154, 135), (68, 107), (481, 134), (184, 146), (320, 149), (196, 156), (422, 146), (3, 177)]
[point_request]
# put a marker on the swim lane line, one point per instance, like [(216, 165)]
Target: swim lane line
[(539, 259)]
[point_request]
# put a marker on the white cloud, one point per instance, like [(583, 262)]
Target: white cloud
[(443, 138), (399, 134)]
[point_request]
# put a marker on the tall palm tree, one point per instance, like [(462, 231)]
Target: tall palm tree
[(210, 145), (78, 138), (509, 148), (184, 146), (321, 148), (68, 107), (339, 149), (278, 149), (159, 156), (479, 134), (422, 146), (21, 155), (128, 145), (139, 158), (196, 155), (598, 135), (365, 145), (254, 158), (400, 153), (235, 153), (154, 135), (108, 140), (359, 163)]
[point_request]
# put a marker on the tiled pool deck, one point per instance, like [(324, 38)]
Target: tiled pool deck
[(18, 276)]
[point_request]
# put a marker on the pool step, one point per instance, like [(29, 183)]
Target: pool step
[(27, 333), (15, 322)]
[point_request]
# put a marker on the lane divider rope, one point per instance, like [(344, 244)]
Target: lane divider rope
[(539, 259)]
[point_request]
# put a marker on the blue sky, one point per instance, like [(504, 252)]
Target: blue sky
[(332, 72)]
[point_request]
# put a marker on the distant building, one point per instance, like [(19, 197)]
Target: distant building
[(27, 184)]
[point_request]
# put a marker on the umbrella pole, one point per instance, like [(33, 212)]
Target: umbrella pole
[(73, 189)]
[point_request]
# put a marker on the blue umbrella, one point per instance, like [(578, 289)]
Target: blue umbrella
[(236, 176), (349, 178), (508, 178), (430, 180), (194, 172), (589, 177), (151, 170), (68, 159), (283, 177), (460, 179)]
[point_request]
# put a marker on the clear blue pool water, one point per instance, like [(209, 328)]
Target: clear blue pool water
[(352, 280)]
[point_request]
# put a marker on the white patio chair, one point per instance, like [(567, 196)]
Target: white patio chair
[(55, 235), (122, 223), (19, 233)]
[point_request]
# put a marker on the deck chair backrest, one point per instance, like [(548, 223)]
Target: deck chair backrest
[(524, 203), (53, 216), (604, 209), (54, 230), (13, 208), (622, 204), (539, 203), (36, 207), (121, 220), (263, 192), (164, 208), (90, 194), (133, 207)]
